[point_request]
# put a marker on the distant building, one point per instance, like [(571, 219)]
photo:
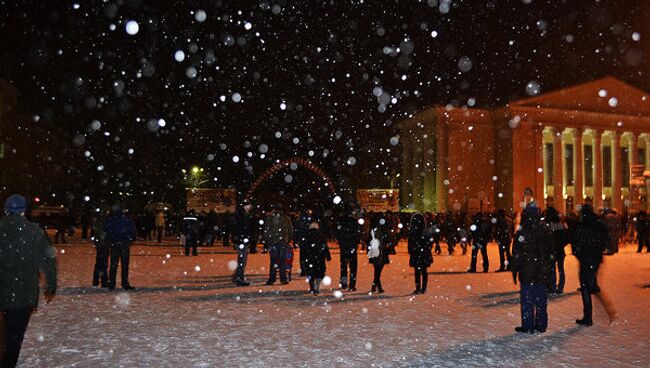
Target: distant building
[(570, 146)]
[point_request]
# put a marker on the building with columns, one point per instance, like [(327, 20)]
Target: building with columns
[(586, 143)]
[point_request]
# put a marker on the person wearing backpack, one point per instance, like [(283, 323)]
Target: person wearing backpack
[(377, 252)]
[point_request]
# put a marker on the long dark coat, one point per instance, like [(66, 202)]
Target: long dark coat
[(419, 247), (316, 253)]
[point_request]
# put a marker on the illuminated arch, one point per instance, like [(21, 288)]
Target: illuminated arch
[(286, 163)]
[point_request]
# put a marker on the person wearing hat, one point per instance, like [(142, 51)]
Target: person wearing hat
[(531, 266), (24, 253)]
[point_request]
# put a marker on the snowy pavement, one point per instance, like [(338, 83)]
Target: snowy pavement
[(186, 313)]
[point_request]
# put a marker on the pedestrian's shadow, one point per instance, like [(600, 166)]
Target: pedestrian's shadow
[(290, 297), (484, 301), (86, 290), (448, 272), (523, 348), (498, 295)]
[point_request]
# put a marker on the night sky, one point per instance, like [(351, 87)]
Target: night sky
[(324, 80)]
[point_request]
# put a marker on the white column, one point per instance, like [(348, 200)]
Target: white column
[(558, 171)]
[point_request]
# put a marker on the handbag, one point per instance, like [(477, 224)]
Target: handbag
[(373, 250)]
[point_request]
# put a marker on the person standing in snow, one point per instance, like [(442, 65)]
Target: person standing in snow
[(191, 230), (643, 231), (377, 249), (278, 232), (503, 235), (590, 239), (348, 234), (316, 253), (560, 240), (302, 227), (102, 251), (481, 235), (531, 258), (160, 225), (120, 231), (24, 253), (419, 248), (243, 228)]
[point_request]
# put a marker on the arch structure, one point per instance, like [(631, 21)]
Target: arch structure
[(283, 165)]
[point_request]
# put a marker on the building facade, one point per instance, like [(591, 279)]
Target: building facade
[(583, 144)]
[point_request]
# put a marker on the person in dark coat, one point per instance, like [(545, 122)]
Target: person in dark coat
[(531, 259), (102, 251), (377, 250), (481, 236), (348, 235), (503, 230), (120, 231), (316, 253), (191, 230), (643, 231), (244, 233), (560, 234), (24, 253), (419, 248), (278, 233), (590, 239), (302, 227)]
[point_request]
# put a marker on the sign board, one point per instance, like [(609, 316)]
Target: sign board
[(636, 175), (378, 200), (217, 199)]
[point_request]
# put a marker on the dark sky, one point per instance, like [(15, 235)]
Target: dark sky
[(307, 71)]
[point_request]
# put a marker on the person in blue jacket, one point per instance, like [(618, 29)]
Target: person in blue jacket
[(120, 231)]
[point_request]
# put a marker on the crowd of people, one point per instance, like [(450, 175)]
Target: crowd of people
[(531, 245)]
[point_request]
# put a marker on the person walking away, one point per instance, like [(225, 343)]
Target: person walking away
[(560, 234), (316, 253), (419, 247), (160, 225), (503, 235), (377, 252), (243, 227), (643, 231), (481, 234), (348, 234), (191, 231), (278, 232), (531, 261), (102, 251), (24, 253), (120, 231), (590, 240)]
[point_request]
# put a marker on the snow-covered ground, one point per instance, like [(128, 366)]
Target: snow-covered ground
[(182, 315)]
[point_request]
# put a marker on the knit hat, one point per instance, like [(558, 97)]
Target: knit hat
[(15, 204)]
